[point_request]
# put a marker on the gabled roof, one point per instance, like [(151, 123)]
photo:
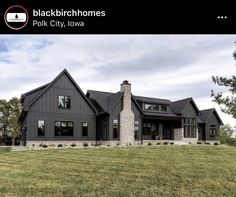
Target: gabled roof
[(179, 106), (47, 86), (101, 98), (206, 114), (152, 100), (107, 100), (36, 89)]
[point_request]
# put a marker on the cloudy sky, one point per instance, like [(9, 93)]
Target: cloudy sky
[(164, 66)]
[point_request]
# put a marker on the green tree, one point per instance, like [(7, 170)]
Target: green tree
[(226, 135), (227, 103), (9, 114)]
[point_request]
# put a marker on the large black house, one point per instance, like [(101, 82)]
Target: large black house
[(59, 112)]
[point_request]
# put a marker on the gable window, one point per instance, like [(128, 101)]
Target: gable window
[(41, 128), (84, 129), (190, 127), (63, 128), (115, 131), (212, 130), (64, 102), (163, 108), (146, 128), (156, 107), (147, 106)]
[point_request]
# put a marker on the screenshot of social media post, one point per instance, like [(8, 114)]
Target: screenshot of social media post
[(117, 99)]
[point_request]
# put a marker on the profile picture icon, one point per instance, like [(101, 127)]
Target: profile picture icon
[(16, 17)]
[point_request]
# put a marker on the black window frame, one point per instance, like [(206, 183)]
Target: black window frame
[(163, 108), (147, 128), (64, 106), (67, 127), (115, 131), (144, 106), (190, 127), (156, 107), (212, 131), (42, 132), (84, 129)]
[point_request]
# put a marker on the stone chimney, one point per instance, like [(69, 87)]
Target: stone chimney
[(126, 116)]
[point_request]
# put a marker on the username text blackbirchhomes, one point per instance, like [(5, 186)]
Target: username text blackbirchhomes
[(69, 13)]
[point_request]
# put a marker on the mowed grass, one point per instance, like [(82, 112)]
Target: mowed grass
[(133, 171)]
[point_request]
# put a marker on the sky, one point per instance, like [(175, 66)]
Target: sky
[(171, 67)]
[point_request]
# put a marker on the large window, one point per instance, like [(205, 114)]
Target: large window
[(84, 129), (212, 130), (190, 127), (64, 102), (147, 106), (146, 128), (115, 131), (63, 128), (41, 128)]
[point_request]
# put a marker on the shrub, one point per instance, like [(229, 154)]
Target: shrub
[(207, 143), (158, 143), (73, 145), (165, 143), (32, 145), (216, 143), (59, 145), (108, 145), (118, 144), (85, 144), (44, 145), (190, 143), (149, 143), (172, 143), (199, 142)]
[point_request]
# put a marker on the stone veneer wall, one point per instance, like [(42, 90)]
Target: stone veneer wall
[(126, 116), (178, 133)]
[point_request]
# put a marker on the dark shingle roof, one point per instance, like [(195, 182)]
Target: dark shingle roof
[(152, 100), (106, 100), (206, 114), (179, 106), (36, 89)]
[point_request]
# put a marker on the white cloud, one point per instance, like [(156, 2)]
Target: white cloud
[(164, 66)]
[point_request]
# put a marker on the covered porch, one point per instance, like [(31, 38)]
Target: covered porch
[(161, 127)]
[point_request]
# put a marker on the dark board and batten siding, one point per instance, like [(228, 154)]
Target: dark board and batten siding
[(212, 121), (46, 108)]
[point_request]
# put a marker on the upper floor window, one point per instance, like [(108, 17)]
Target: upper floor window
[(64, 102), (147, 106), (41, 128), (156, 107), (163, 108)]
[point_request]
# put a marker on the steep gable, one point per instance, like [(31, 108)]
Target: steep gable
[(206, 114), (184, 106), (63, 80)]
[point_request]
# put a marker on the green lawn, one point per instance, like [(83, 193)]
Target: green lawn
[(135, 171)]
